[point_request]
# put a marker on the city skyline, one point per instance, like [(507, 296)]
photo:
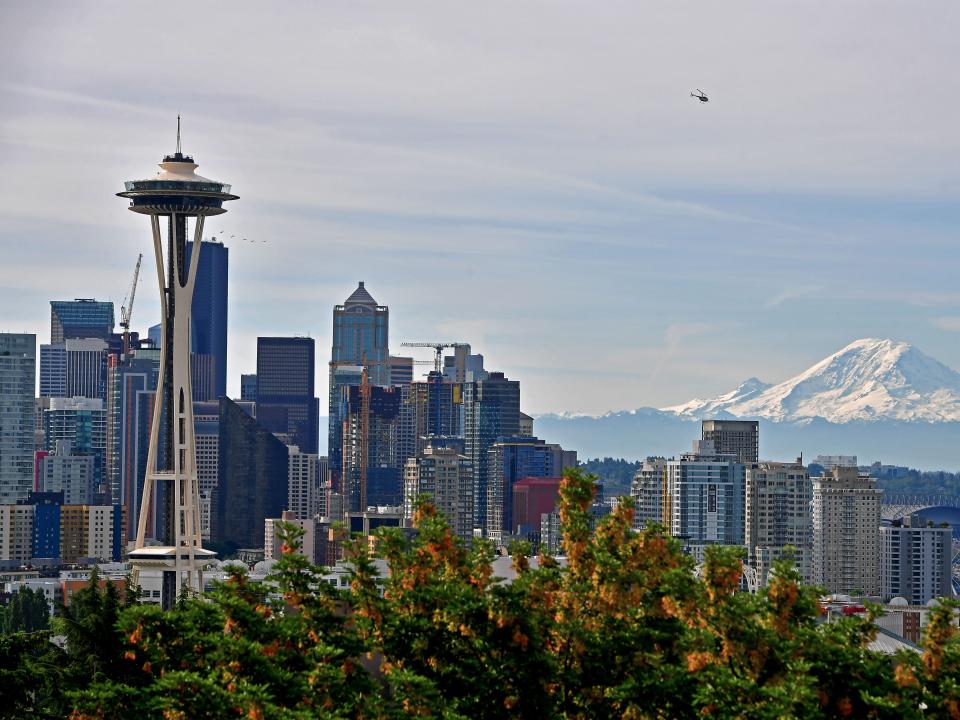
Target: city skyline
[(580, 236)]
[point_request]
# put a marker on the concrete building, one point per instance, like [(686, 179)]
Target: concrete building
[(73, 475), (648, 489), (18, 366), (777, 513), (272, 544), (446, 477), (206, 425), (302, 476), (401, 370), (740, 438), (16, 533), (915, 563), (846, 532), (86, 367)]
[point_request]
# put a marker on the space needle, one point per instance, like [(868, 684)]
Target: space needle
[(179, 195)]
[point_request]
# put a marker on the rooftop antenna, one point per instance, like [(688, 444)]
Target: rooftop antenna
[(178, 133)]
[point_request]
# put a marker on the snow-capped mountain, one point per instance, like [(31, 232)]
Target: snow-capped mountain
[(868, 380)]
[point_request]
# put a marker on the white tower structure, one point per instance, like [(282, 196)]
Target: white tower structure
[(178, 194)]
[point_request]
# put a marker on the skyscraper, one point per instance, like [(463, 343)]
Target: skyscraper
[(734, 437), (18, 367), (648, 489), (53, 370), (248, 387), (286, 401), (508, 460), (360, 338), (915, 562), (704, 498), (371, 474), (491, 411), (846, 532), (446, 477), (81, 424), (252, 479), (208, 324), (86, 367), (777, 513), (80, 318)]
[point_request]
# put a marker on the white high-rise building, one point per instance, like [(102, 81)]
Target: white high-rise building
[(777, 512), (86, 368), (302, 476), (704, 497), (846, 532), (18, 366), (915, 563)]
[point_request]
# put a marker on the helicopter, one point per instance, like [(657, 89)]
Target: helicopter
[(700, 95)]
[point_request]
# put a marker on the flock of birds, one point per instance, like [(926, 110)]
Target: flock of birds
[(699, 95), (234, 237)]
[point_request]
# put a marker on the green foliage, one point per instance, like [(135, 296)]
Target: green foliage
[(621, 628), (27, 612)]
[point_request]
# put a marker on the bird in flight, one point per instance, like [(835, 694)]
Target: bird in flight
[(700, 95)]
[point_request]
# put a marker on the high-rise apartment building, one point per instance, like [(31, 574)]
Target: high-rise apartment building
[(360, 340), (72, 475), (208, 318), (80, 318), (445, 476), (740, 438), (508, 460), (846, 532), (704, 497), (18, 367), (286, 401), (777, 512), (302, 483), (16, 533), (648, 489), (915, 562), (491, 410)]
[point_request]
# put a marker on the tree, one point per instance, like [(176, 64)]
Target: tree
[(27, 612)]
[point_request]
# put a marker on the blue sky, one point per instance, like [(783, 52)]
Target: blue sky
[(532, 177)]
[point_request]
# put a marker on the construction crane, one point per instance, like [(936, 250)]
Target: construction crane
[(438, 348), (126, 310)]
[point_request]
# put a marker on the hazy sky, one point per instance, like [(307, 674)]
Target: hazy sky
[(529, 177)]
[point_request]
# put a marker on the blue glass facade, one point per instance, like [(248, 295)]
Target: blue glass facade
[(46, 524), (208, 320), (360, 338), (80, 319), (286, 402)]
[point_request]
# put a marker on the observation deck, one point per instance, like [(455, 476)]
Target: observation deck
[(177, 188)]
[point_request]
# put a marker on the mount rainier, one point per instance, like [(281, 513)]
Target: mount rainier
[(880, 399)]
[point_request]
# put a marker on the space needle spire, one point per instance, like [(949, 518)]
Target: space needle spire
[(168, 526)]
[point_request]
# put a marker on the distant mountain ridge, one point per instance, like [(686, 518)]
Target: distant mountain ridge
[(868, 380), (879, 399)]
